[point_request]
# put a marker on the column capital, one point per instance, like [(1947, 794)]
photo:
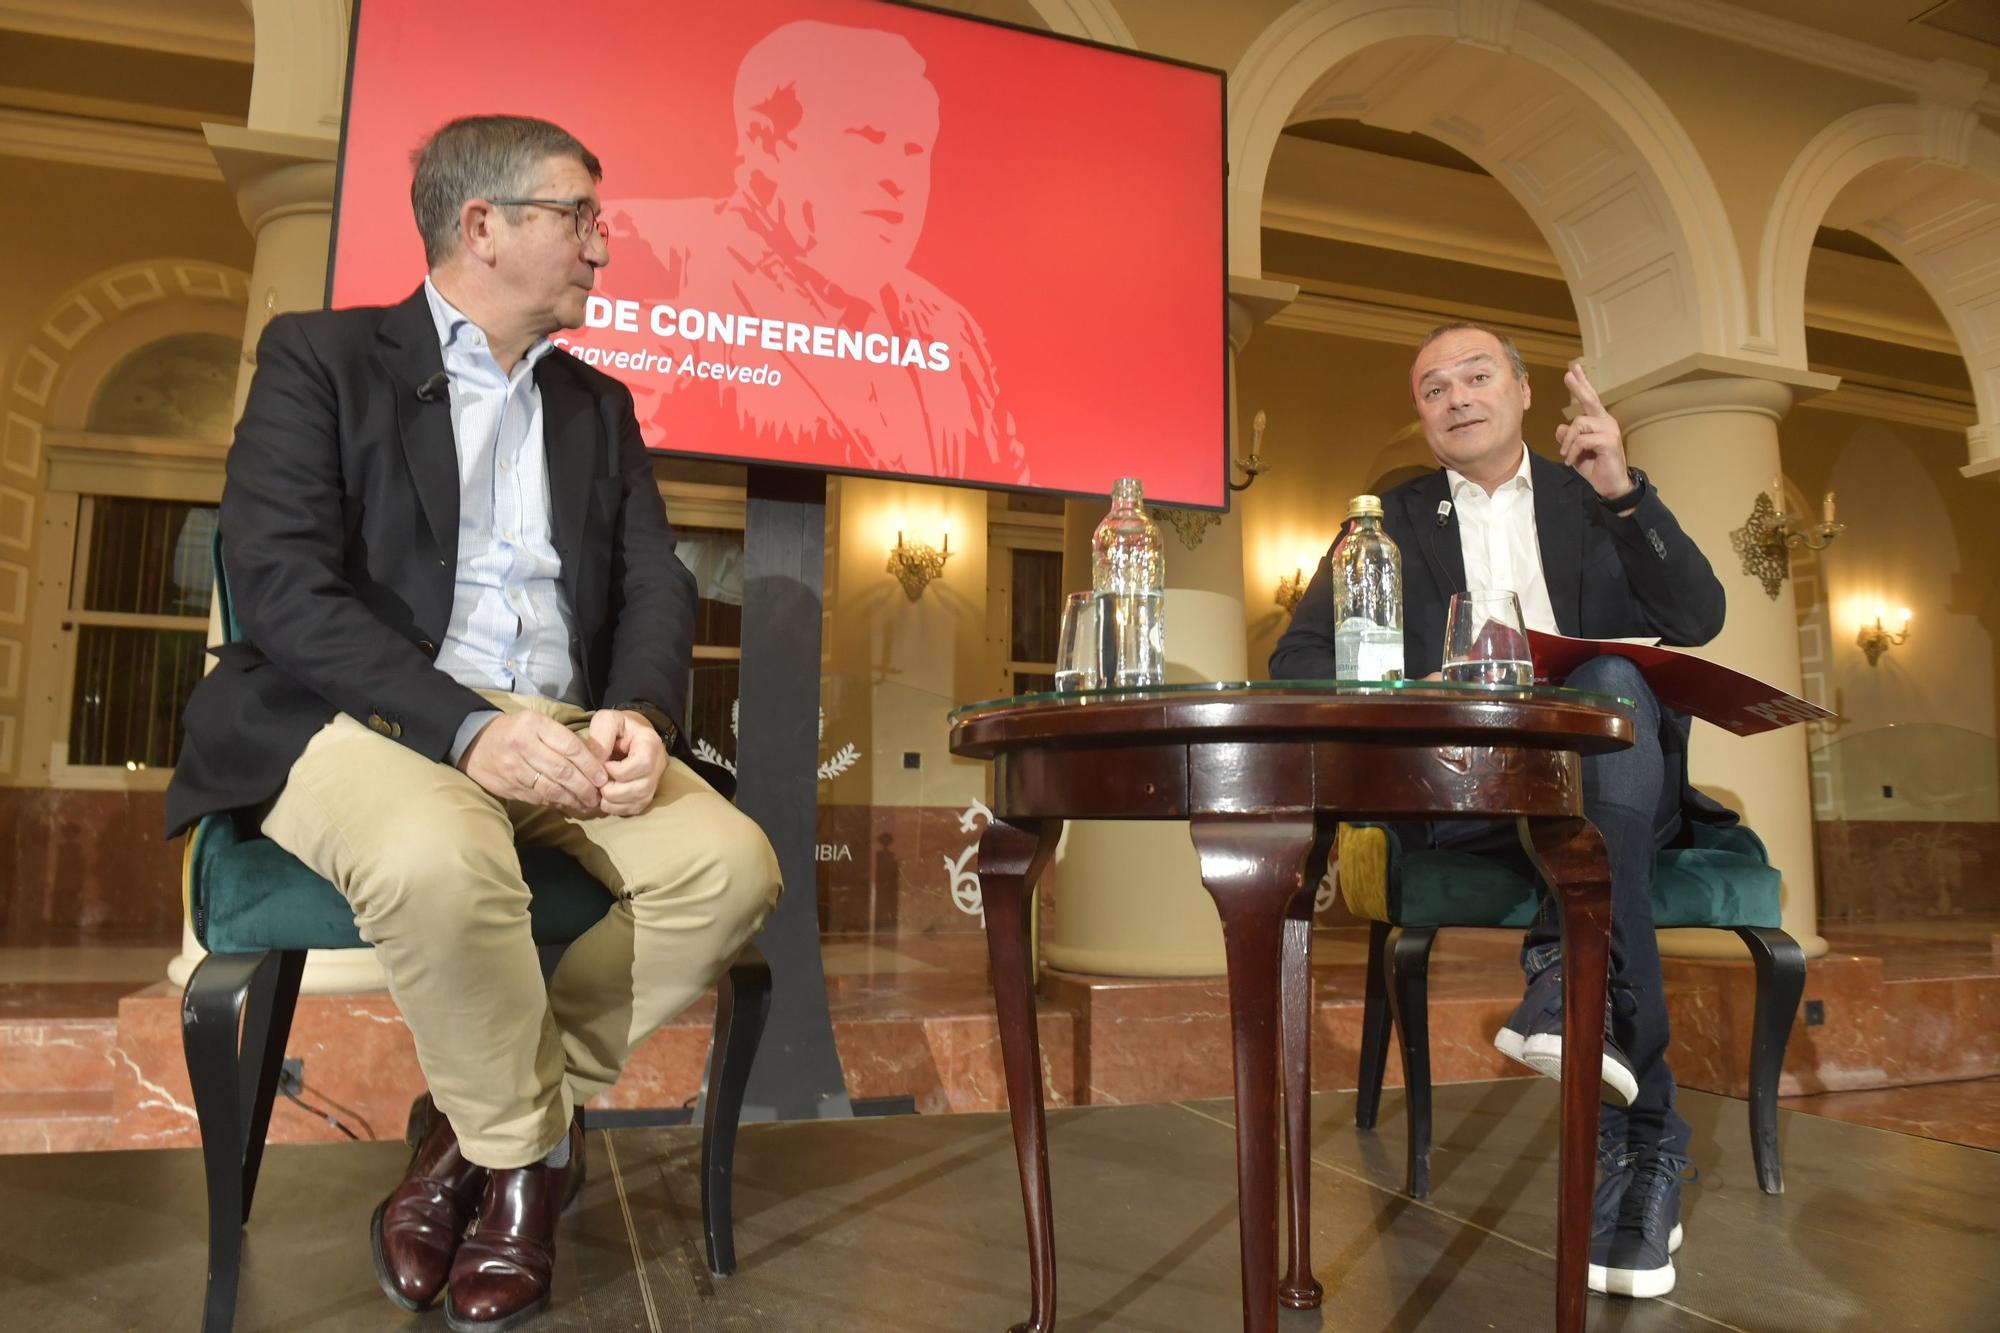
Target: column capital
[(273, 173), (1694, 397), (1252, 301), (1983, 442), (1702, 367)]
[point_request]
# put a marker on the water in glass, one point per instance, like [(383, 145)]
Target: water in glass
[(1128, 577)]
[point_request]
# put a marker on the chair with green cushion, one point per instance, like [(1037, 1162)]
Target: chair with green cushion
[(1723, 880), (257, 909)]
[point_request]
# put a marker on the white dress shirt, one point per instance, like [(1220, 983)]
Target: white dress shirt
[(509, 628), (1496, 534)]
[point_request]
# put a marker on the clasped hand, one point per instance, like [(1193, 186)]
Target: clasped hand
[(612, 769)]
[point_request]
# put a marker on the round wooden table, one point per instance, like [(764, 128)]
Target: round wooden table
[(1263, 772)]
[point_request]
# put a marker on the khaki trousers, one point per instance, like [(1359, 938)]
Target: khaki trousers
[(426, 857)]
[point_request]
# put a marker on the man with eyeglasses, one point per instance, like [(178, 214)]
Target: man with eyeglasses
[(465, 625)]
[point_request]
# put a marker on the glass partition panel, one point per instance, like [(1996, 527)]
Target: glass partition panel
[(899, 815), (1907, 825)]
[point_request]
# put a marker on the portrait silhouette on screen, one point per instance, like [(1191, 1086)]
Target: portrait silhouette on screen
[(835, 128)]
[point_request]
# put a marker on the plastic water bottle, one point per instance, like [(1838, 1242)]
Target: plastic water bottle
[(1128, 578), (1367, 597)]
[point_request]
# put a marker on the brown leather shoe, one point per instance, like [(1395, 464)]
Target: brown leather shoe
[(415, 1232), (501, 1275)]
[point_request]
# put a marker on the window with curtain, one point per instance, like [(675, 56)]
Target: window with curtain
[(715, 557), (1034, 619), (139, 598)]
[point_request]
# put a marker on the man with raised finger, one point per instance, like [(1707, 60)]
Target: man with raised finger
[(465, 627), (1591, 550)]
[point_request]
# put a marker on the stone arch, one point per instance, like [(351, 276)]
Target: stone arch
[(66, 353), (1574, 133), (1096, 19), (1923, 182)]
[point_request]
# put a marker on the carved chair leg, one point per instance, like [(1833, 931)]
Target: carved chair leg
[(1781, 980), (211, 1014), (1408, 965), (742, 1003), (267, 1022), (1374, 1029)]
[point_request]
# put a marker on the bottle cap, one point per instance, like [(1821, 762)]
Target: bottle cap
[(1365, 506)]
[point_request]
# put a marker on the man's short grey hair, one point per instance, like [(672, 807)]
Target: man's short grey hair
[(482, 157), (1468, 326)]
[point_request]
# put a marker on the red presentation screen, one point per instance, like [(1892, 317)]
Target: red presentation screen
[(849, 235)]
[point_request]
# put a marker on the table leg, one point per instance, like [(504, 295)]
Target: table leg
[(1570, 855), (1254, 869), (1300, 1290), (1011, 859)]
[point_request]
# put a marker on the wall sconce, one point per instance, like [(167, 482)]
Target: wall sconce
[(915, 564), (1874, 640), (1765, 540), (1192, 525), (1254, 466), (1291, 590)]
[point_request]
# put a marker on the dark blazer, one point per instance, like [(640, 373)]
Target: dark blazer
[(340, 526), (1608, 578)]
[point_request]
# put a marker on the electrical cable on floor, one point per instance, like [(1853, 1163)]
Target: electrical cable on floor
[(310, 1109)]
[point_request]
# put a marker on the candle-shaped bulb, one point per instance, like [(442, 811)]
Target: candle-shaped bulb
[(947, 541), (899, 539), (1827, 509)]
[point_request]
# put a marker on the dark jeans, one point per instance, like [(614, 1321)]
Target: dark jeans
[(1633, 797)]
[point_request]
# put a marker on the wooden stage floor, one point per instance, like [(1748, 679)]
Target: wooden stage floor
[(914, 1223)]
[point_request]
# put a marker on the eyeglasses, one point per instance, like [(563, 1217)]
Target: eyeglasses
[(584, 215)]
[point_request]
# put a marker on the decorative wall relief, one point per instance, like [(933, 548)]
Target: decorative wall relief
[(965, 893), (830, 768)]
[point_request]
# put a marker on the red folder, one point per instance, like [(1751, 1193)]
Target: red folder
[(1731, 700)]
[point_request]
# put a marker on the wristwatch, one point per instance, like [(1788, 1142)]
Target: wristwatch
[(656, 716), (1618, 504)]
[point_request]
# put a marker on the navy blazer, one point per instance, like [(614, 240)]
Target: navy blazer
[(1608, 578), (340, 526)]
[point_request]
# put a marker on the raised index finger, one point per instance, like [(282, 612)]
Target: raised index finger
[(1580, 388)]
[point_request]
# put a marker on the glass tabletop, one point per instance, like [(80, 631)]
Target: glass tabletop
[(1410, 689)]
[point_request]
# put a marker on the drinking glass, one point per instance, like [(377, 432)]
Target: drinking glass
[(1484, 642), (1076, 649)]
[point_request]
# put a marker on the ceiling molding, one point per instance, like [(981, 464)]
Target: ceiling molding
[(1900, 405), (106, 143), (1929, 79), (1337, 193), (1357, 197), (153, 27), (1388, 317)]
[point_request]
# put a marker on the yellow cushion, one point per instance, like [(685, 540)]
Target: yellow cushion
[(1364, 870)]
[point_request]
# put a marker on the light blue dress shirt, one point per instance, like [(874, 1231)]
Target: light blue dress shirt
[(510, 628)]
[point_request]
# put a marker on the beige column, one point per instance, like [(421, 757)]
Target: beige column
[(284, 190), (1711, 446), (1131, 902)]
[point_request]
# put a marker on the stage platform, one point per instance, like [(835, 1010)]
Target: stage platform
[(914, 1223), (1901, 1026)]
